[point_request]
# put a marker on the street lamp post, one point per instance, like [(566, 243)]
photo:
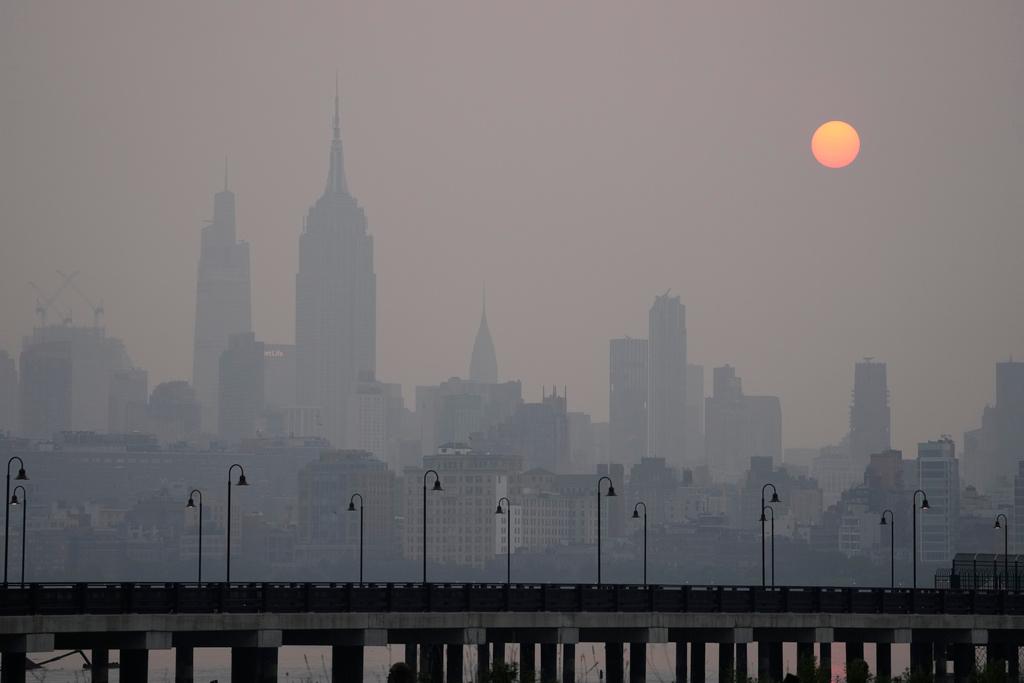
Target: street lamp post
[(770, 509), (636, 515), (924, 506), (892, 544), (352, 508), (191, 504), (775, 499), (1005, 526), (241, 482), (437, 487), (7, 512), (611, 492), (24, 516), (508, 538)]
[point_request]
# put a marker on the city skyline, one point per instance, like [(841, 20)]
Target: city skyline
[(803, 348)]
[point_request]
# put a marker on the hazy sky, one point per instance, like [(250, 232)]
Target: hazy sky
[(579, 157)]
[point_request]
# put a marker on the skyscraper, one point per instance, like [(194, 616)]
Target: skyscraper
[(223, 301), (666, 384), (335, 299), (483, 365), (870, 416), (627, 399), (740, 427), (8, 393), (242, 396), (939, 476)]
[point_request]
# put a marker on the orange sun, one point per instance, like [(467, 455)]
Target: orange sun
[(835, 144)]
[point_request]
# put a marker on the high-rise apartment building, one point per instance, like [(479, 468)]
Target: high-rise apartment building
[(335, 299), (666, 383), (223, 301), (627, 399), (739, 427), (939, 477), (870, 416)]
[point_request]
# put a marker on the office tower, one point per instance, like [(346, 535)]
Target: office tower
[(666, 382), (129, 392), (538, 432), (279, 372), (335, 299), (695, 412), (241, 387), (1017, 531), (739, 427), (368, 417), (66, 374), (870, 416), (939, 477), (223, 301), (8, 394), (627, 399), (449, 412), (461, 526), (994, 450), (483, 365)]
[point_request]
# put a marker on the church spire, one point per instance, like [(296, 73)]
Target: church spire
[(483, 365), (336, 183)]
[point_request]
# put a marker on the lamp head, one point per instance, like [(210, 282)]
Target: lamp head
[(498, 510), (191, 503), (763, 518), (775, 497), (924, 504), (998, 524), (351, 506), (883, 522), (611, 490), (21, 474), (14, 499), (437, 485), (636, 514), (241, 480)]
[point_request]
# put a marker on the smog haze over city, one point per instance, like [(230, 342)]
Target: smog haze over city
[(470, 299)]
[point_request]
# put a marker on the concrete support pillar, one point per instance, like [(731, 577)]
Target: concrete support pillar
[(454, 661), (183, 664), (548, 662), (763, 661), (963, 662), (499, 652), (614, 663), (527, 658), (682, 662), (741, 662), (726, 663), (921, 657), (883, 661), (698, 662), (854, 652), (346, 663), (568, 663), (1013, 662), (248, 665), (775, 662), (100, 666), (940, 657), (411, 659), (825, 658), (436, 668), (134, 666), (804, 653), (638, 663), (13, 667), (483, 662)]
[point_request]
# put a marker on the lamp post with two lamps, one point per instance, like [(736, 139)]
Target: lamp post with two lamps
[(775, 499), (24, 515), (7, 513)]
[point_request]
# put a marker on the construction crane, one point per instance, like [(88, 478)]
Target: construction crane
[(97, 310), (44, 300)]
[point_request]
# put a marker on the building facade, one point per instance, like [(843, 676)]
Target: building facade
[(627, 399), (666, 382)]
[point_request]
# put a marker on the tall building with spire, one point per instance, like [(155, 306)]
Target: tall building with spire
[(483, 365), (335, 299), (223, 301)]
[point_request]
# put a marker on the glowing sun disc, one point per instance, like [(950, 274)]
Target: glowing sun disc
[(835, 144)]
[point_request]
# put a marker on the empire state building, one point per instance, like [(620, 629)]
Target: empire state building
[(335, 300)]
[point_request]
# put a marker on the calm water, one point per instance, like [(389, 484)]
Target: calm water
[(313, 664)]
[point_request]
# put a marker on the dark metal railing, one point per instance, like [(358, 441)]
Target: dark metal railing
[(207, 598)]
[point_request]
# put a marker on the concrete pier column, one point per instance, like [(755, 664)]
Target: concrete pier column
[(726, 663), (1013, 662), (741, 662), (921, 657), (883, 661), (775, 662), (698, 662), (548, 662), (638, 663), (941, 659), (411, 658), (134, 666), (346, 663), (682, 662), (763, 661), (614, 663), (436, 667), (963, 662), (499, 652), (183, 664), (453, 658), (13, 667), (100, 666), (804, 653), (825, 658), (248, 665), (854, 652), (483, 662), (527, 658), (569, 663)]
